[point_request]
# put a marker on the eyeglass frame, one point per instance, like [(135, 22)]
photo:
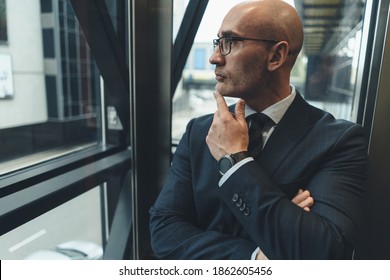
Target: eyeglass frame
[(216, 42)]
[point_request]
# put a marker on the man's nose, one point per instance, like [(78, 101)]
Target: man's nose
[(217, 57)]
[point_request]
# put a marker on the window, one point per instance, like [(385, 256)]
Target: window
[(54, 84), (200, 59), (331, 55), (45, 238), (60, 157), (179, 8)]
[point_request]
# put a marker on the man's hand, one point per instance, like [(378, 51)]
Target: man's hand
[(228, 133), (303, 200)]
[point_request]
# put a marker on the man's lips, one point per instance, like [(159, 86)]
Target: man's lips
[(219, 77)]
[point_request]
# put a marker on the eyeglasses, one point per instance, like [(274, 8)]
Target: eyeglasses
[(225, 43)]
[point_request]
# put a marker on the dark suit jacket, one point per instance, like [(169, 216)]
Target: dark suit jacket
[(194, 218)]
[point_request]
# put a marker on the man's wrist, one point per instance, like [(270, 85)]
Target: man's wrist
[(239, 156), (232, 170), (228, 161)]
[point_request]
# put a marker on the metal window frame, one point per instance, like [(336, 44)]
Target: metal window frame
[(28, 193), (185, 38), (374, 242), (24, 205), (95, 21), (150, 35)]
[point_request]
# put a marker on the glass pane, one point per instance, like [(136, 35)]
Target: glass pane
[(78, 235), (49, 84), (325, 72), (179, 8), (331, 54)]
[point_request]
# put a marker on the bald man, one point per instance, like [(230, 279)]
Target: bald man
[(230, 191)]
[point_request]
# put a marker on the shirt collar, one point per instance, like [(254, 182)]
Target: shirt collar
[(276, 111)]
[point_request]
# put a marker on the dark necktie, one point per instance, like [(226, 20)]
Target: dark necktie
[(257, 123)]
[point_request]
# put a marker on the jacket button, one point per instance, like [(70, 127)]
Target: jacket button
[(247, 211), (235, 197), (242, 207), (239, 203)]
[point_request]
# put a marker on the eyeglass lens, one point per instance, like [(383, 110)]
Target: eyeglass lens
[(224, 46)]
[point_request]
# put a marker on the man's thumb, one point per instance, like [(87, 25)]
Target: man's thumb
[(239, 110)]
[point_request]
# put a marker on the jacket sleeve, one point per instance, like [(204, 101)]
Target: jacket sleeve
[(175, 231), (285, 231)]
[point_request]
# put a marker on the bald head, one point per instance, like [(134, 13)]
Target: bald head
[(270, 19)]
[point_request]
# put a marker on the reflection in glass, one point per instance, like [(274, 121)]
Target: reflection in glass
[(56, 104), (331, 50), (73, 230)]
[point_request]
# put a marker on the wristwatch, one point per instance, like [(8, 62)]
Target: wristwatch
[(227, 161)]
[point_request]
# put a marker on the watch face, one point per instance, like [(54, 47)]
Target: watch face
[(224, 164)]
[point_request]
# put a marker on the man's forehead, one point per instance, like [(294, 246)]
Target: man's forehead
[(234, 25), (239, 27)]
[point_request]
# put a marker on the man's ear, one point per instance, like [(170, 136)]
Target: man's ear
[(278, 55)]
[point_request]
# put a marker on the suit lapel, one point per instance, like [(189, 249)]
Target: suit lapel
[(290, 130)]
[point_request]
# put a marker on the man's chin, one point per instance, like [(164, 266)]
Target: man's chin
[(222, 90), (226, 93)]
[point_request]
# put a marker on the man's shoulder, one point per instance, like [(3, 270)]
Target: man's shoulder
[(326, 126), (199, 126), (320, 115), (328, 118), (202, 121)]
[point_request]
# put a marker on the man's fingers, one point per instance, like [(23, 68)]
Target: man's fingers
[(300, 196), (303, 199), (308, 202), (221, 103), (239, 110)]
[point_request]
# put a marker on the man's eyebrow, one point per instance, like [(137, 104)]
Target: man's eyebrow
[(227, 33)]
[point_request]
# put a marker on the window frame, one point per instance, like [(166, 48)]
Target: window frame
[(117, 39), (29, 192)]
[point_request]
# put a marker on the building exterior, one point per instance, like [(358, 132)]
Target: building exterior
[(55, 97), (27, 104)]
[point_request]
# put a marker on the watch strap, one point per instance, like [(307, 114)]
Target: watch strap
[(239, 156)]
